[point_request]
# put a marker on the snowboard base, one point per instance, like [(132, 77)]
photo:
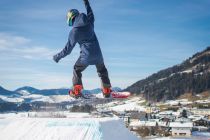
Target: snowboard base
[(114, 95)]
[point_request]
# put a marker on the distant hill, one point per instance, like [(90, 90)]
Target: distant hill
[(28, 89), (45, 92), (28, 94), (191, 76), (8, 93), (61, 91)]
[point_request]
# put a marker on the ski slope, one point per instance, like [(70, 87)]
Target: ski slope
[(72, 128)]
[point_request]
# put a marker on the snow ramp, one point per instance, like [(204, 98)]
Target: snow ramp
[(64, 129)]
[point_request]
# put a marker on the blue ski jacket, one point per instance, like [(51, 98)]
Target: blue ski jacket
[(83, 33)]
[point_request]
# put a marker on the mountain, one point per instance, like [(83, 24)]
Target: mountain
[(8, 93), (191, 76), (28, 89), (61, 91), (45, 92), (48, 92), (28, 94)]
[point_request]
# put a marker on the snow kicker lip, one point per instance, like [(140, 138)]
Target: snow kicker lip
[(93, 127), (68, 124)]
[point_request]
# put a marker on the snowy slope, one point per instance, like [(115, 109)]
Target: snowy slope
[(74, 128), (130, 104), (128, 107), (11, 99)]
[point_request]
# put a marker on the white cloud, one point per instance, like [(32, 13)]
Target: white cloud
[(13, 46), (8, 41), (16, 47)]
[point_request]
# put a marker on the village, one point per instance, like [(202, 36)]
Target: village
[(173, 118)]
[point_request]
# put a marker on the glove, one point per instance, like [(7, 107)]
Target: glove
[(56, 58), (86, 1)]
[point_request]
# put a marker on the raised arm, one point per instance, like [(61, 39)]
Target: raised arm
[(90, 14)]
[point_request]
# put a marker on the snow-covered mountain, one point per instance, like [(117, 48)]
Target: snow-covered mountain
[(8, 93), (28, 89), (44, 92), (29, 94), (9, 96)]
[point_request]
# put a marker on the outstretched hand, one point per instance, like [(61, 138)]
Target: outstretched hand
[(55, 58)]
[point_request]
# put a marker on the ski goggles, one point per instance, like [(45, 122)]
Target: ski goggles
[(70, 16)]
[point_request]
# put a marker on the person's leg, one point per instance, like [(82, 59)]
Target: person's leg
[(77, 73), (77, 78), (105, 82)]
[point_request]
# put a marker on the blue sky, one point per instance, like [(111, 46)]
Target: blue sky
[(137, 38)]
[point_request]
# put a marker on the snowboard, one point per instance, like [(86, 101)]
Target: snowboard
[(114, 95)]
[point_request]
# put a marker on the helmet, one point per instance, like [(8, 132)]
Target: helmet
[(71, 15)]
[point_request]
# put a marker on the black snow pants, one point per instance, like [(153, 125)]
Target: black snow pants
[(102, 73)]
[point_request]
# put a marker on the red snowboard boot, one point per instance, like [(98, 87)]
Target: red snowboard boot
[(106, 92), (76, 91)]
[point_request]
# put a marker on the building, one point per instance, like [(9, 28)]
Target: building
[(203, 112), (149, 123), (195, 117), (202, 122), (181, 128)]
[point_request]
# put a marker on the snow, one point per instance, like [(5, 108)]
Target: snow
[(12, 99), (43, 99), (169, 138), (203, 101), (180, 125), (172, 102), (169, 112), (77, 126), (60, 98), (142, 123), (24, 92), (203, 134), (127, 107), (36, 97), (151, 122), (195, 117), (187, 71), (176, 102), (161, 79), (115, 130)]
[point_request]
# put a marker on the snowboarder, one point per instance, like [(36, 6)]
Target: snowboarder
[(83, 33)]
